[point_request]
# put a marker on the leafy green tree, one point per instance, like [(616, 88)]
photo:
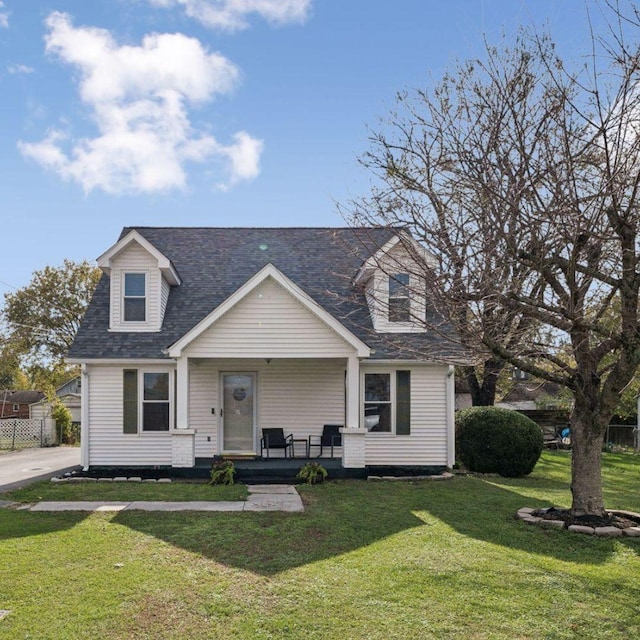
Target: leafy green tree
[(43, 317)]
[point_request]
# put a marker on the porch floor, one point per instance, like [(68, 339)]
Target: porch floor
[(263, 470)]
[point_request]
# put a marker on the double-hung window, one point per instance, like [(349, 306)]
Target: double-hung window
[(135, 297), (399, 300), (387, 402), (146, 401)]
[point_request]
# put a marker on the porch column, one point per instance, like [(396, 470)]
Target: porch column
[(182, 393), (183, 439), (353, 392), (353, 437)]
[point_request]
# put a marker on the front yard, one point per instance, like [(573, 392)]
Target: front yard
[(366, 560)]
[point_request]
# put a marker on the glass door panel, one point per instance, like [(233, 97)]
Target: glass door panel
[(238, 395)]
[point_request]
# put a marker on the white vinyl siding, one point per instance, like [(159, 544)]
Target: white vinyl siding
[(298, 395), (377, 292), (203, 396), (164, 296), (269, 323), (427, 443), (135, 259), (108, 445)]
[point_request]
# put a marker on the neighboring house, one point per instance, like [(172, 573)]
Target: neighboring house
[(528, 394), (17, 404), (197, 338), (70, 396)]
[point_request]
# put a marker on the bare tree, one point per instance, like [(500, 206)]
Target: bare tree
[(521, 176)]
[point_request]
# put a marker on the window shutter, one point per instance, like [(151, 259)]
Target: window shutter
[(130, 401), (403, 403)]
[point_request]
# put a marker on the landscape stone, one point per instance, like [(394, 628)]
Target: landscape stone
[(164, 480), (120, 479), (558, 524), (632, 532), (105, 479), (135, 479), (579, 528), (608, 532)]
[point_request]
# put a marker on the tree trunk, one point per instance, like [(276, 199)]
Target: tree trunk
[(587, 438), (483, 394)]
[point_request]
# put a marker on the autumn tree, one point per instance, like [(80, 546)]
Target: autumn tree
[(42, 318), (519, 175)]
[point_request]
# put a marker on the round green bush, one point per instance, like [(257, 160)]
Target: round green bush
[(493, 440)]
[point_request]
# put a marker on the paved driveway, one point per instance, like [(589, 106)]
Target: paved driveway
[(19, 468)]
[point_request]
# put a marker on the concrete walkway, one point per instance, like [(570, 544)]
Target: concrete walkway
[(262, 497), (20, 468)]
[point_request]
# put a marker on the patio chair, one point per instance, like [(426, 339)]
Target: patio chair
[(274, 438), (330, 438)]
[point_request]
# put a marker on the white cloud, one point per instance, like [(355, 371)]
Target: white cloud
[(231, 15), (19, 68), (4, 16), (138, 96)]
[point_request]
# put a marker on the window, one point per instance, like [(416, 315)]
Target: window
[(377, 401), (155, 402), (399, 301), (135, 301), (387, 402), (16, 407), (147, 404)]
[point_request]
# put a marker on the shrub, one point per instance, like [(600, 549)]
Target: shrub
[(493, 440), (312, 473), (222, 472)]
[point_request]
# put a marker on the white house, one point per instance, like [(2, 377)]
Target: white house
[(198, 338)]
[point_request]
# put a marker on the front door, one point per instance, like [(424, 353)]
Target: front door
[(238, 412)]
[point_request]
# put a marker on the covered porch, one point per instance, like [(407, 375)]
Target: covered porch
[(231, 401)]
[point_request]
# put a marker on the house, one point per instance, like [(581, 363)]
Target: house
[(530, 394), (17, 404), (25, 419), (69, 395), (198, 338)]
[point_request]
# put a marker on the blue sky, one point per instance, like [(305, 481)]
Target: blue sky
[(211, 112)]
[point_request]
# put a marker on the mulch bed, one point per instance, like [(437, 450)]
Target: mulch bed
[(620, 520)]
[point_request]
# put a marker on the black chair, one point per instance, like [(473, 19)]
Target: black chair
[(275, 439), (330, 438)]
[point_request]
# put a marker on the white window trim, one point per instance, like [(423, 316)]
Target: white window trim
[(406, 289), (134, 323), (378, 302), (391, 401), (140, 408)]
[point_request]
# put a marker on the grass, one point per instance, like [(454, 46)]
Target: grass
[(429, 560), (110, 491)]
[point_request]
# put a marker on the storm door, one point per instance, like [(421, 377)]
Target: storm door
[(238, 412)]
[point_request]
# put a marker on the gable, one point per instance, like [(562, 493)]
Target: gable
[(269, 322)]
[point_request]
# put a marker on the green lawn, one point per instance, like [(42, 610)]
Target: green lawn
[(386, 560), (176, 491)]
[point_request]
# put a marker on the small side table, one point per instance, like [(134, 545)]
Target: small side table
[(303, 441)]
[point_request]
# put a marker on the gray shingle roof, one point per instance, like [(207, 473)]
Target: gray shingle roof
[(20, 397), (215, 262)]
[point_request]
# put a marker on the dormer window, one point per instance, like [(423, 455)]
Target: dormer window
[(135, 297), (399, 301)]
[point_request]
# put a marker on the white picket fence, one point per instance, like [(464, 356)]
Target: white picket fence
[(18, 433)]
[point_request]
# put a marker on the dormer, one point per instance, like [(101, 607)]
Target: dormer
[(140, 280), (395, 287)]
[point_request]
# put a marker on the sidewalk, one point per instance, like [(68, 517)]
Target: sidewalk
[(262, 497)]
